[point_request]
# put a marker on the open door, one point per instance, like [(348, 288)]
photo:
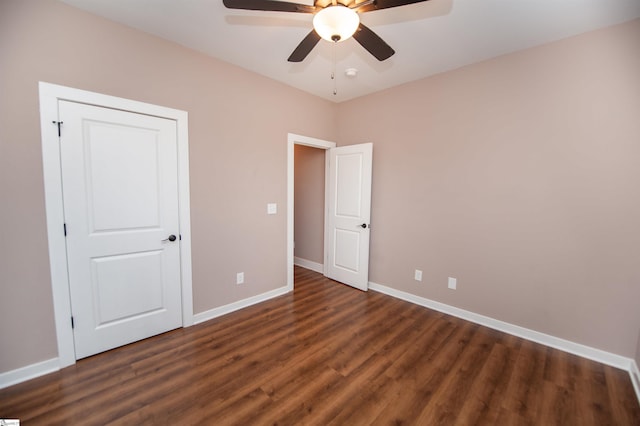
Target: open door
[(348, 195)]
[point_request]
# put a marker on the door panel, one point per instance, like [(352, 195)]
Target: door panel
[(119, 176), (347, 249), (348, 169), (119, 201), (349, 206), (126, 286)]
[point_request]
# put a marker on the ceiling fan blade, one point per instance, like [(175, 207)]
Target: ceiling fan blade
[(305, 47), (383, 4), (373, 43), (269, 6)]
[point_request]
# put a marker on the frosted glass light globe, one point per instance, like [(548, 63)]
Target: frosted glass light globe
[(336, 23)]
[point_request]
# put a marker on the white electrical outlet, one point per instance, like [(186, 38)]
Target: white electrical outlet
[(272, 208), (240, 278), (453, 283), (417, 275)]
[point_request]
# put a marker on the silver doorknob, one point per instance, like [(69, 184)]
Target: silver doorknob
[(170, 238)]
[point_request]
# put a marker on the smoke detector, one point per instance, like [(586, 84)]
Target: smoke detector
[(351, 72)]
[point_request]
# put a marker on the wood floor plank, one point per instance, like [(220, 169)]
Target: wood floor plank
[(327, 354), (488, 388), (625, 409), (374, 398), (418, 386), (454, 392), (558, 405), (357, 384), (594, 401), (524, 393)]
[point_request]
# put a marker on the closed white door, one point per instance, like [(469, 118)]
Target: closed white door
[(349, 214), (119, 179)]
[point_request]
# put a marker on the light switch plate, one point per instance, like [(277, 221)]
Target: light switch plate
[(272, 208)]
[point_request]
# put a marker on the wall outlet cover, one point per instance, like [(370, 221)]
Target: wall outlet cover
[(453, 283)]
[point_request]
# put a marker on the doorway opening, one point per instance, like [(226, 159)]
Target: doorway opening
[(346, 208), (309, 200), (292, 141)]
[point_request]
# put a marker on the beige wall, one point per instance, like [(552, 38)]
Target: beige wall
[(309, 203), (519, 177), (238, 125), (637, 358)]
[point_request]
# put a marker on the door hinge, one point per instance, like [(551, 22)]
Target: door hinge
[(72, 324), (59, 123), (64, 225)]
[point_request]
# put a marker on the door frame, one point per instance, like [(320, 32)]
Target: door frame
[(50, 94), (292, 140)]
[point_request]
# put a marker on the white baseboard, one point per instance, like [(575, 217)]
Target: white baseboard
[(594, 354), (635, 378), (32, 371), (231, 307), (308, 264)]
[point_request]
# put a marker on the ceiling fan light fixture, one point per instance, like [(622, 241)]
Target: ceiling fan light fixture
[(336, 23)]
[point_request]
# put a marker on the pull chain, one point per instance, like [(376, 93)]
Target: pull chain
[(333, 68)]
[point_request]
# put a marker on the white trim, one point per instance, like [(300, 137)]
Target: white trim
[(240, 304), (327, 177), (308, 264), (634, 373), (555, 342), (50, 94), (184, 206), (55, 216), (293, 139), (29, 372)]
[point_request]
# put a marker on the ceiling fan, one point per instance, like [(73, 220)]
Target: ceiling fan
[(333, 20)]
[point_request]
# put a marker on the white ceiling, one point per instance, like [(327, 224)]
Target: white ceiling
[(429, 37)]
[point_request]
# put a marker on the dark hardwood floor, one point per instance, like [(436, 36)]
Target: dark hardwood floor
[(328, 354)]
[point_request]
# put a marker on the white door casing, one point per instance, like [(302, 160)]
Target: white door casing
[(50, 96), (349, 214), (119, 178)]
